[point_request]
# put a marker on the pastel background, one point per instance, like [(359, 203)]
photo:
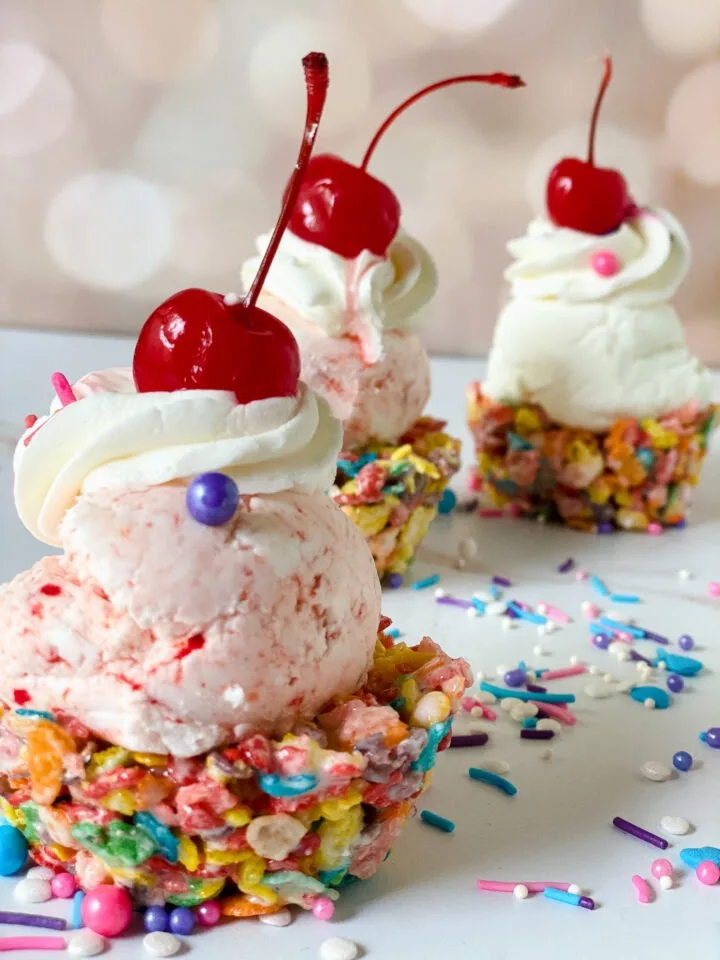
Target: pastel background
[(144, 143)]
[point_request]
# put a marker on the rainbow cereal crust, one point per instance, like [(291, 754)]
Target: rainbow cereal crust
[(391, 492), (639, 474), (260, 823)]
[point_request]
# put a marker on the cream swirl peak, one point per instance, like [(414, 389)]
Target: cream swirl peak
[(115, 438), (364, 297)]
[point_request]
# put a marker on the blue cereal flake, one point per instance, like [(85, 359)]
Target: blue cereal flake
[(660, 697), (163, 836), (693, 856), (436, 734), (685, 666), (276, 786)]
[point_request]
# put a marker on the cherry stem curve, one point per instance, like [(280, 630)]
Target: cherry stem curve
[(607, 77), (510, 80), (317, 79)]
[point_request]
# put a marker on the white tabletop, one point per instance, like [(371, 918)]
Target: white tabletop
[(558, 827)]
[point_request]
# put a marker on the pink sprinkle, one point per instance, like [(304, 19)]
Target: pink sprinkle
[(487, 712), (593, 611), (559, 616), (504, 886), (469, 703), (61, 386), (714, 588), (642, 889), (489, 513), (622, 637), (654, 529), (558, 674), (31, 943), (557, 712), (582, 575)]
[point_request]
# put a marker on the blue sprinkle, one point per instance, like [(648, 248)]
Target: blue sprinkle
[(393, 632), (599, 587), (479, 605), (703, 736), (636, 632), (494, 779), (448, 502), (331, 878), (276, 786), (436, 734), (529, 723), (76, 921), (624, 598), (494, 591), (347, 467), (685, 666), (435, 820), (163, 836), (693, 856), (426, 582), (526, 614), (40, 714), (657, 694), (501, 693), (365, 459)]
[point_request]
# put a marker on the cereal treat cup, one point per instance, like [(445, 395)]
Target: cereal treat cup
[(391, 492), (259, 823), (637, 473)]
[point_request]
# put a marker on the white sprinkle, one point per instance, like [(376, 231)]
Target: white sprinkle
[(479, 676), (509, 703), (549, 724), (623, 654), (656, 770), (40, 873), (684, 575), (598, 691), (574, 661), (280, 919), (160, 944), (546, 755), (593, 670), (649, 704), (497, 766), (520, 891), (586, 605), (675, 826), (666, 883), (230, 299), (641, 666), (539, 651), (32, 890), (615, 646), (625, 686), (522, 710), (338, 948), (531, 676), (620, 616), (496, 608), (468, 548), (85, 943), (549, 627), (472, 612), (542, 609), (439, 593), (609, 678), (575, 890), (234, 695), (484, 697)]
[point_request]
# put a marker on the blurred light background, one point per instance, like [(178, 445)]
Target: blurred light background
[(145, 143)]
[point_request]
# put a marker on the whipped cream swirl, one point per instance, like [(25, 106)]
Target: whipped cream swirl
[(591, 347), (364, 297), (115, 438)]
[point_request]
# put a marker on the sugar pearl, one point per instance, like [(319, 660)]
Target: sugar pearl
[(609, 678), (520, 891), (546, 755), (575, 889), (649, 704), (548, 724), (231, 299), (85, 943), (161, 944), (539, 651), (593, 670), (32, 890), (605, 263), (280, 919), (542, 608), (439, 593), (574, 661), (497, 766), (472, 612), (684, 575), (338, 948)]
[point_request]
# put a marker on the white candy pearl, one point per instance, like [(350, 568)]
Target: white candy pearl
[(549, 724), (549, 627), (497, 766), (539, 651), (439, 593), (472, 612), (160, 944), (507, 623), (675, 826), (32, 890), (338, 948), (597, 690), (593, 670), (496, 608), (575, 889), (85, 943), (684, 575), (280, 919), (649, 704), (666, 883), (546, 755), (520, 891)]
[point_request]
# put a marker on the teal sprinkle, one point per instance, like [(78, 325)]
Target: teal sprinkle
[(685, 666), (529, 723), (163, 836), (282, 877), (645, 456), (436, 734), (40, 714), (366, 458), (660, 697), (347, 467), (332, 878), (502, 692), (76, 922), (349, 879), (435, 820)]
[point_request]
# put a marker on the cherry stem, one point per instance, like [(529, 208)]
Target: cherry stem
[(607, 77), (510, 80), (317, 79)]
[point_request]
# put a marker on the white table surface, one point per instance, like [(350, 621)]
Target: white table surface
[(424, 903)]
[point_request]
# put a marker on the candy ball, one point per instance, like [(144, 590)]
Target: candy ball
[(602, 640), (515, 678), (323, 908), (182, 921), (712, 738), (675, 683), (605, 263), (63, 885), (395, 580), (448, 502), (208, 913), (682, 760), (212, 498), (155, 919), (708, 873), (661, 868), (13, 850), (107, 910), (686, 642)]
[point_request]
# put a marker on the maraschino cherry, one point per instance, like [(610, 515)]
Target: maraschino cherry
[(199, 340), (344, 208), (585, 197)]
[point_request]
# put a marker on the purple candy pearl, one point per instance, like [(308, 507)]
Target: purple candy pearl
[(605, 527), (686, 642), (601, 640), (155, 919), (515, 678), (712, 738), (208, 913), (182, 921), (212, 499), (675, 683), (395, 580)]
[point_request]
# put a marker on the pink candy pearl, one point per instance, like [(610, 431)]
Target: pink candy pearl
[(208, 913), (323, 908), (63, 885), (661, 868), (654, 529), (107, 910), (714, 588), (708, 873), (605, 263)]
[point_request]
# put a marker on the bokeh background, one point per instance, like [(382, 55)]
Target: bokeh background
[(145, 143)]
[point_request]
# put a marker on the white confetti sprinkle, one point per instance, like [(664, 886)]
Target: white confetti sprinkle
[(85, 943), (508, 703), (675, 826), (623, 654), (539, 651), (472, 612), (608, 678), (598, 691), (32, 890), (280, 919), (656, 770), (549, 627), (574, 661), (662, 666), (160, 944), (542, 609), (496, 608), (548, 724), (338, 948), (520, 891)]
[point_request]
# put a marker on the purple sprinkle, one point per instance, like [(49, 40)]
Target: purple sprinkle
[(686, 642), (636, 657), (454, 602), (470, 740), (587, 902), (33, 920), (640, 833), (534, 688), (566, 566), (513, 614), (502, 581), (649, 635), (515, 678), (532, 734)]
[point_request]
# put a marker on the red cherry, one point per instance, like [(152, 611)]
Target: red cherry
[(344, 208), (198, 340), (585, 197)]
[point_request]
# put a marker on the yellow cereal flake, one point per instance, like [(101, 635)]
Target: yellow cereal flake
[(188, 853), (150, 759)]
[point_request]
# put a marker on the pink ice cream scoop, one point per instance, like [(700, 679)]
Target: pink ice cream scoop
[(165, 635)]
